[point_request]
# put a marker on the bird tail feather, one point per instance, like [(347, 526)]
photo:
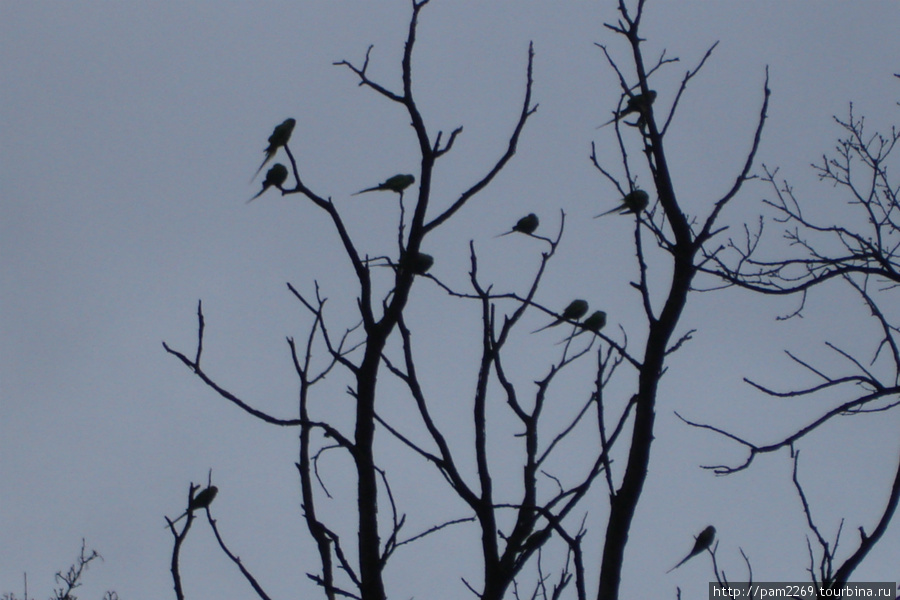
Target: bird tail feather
[(613, 120), (267, 159), (683, 560), (371, 189), (553, 324), (610, 211), (571, 337), (260, 193)]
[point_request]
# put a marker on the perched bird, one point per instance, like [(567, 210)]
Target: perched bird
[(633, 202), (636, 104), (279, 138), (574, 311), (397, 184), (275, 177), (418, 263), (201, 500), (703, 541), (595, 322), (527, 225)]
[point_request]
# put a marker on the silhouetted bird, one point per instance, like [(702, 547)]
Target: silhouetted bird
[(275, 177), (595, 322), (703, 541), (418, 263), (279, 138), (201, 500), (574, 311), (527, 225), (636, 104), (633, 203), (397, 184)]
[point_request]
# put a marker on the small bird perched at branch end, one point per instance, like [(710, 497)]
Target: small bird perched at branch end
[(397, 184), (632, 203), (201, 500), (527, 225), (275, 177), (703, 541), (636, 104), (279, 138), (574, 311)]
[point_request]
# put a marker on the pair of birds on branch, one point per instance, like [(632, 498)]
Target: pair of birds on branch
[(573, 312), (637, 200), (278, 174), (632, 203)]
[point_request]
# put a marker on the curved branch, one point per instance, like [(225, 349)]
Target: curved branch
[(705, 234), (236, 560), (867, 542), (527, 111), (846, 408)]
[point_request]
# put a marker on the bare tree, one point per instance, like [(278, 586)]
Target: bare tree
[(361, 352), (545, 510), (688, 246), (861, 254), (70, 580)]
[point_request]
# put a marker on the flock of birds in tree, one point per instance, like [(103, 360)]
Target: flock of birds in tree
[(632, 203)]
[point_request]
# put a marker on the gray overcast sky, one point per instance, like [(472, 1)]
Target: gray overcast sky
[(129, 134)]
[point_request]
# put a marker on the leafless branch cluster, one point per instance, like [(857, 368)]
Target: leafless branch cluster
[(361, 350), (689, 246), (860, 253), (548, 507), (70, 580)]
